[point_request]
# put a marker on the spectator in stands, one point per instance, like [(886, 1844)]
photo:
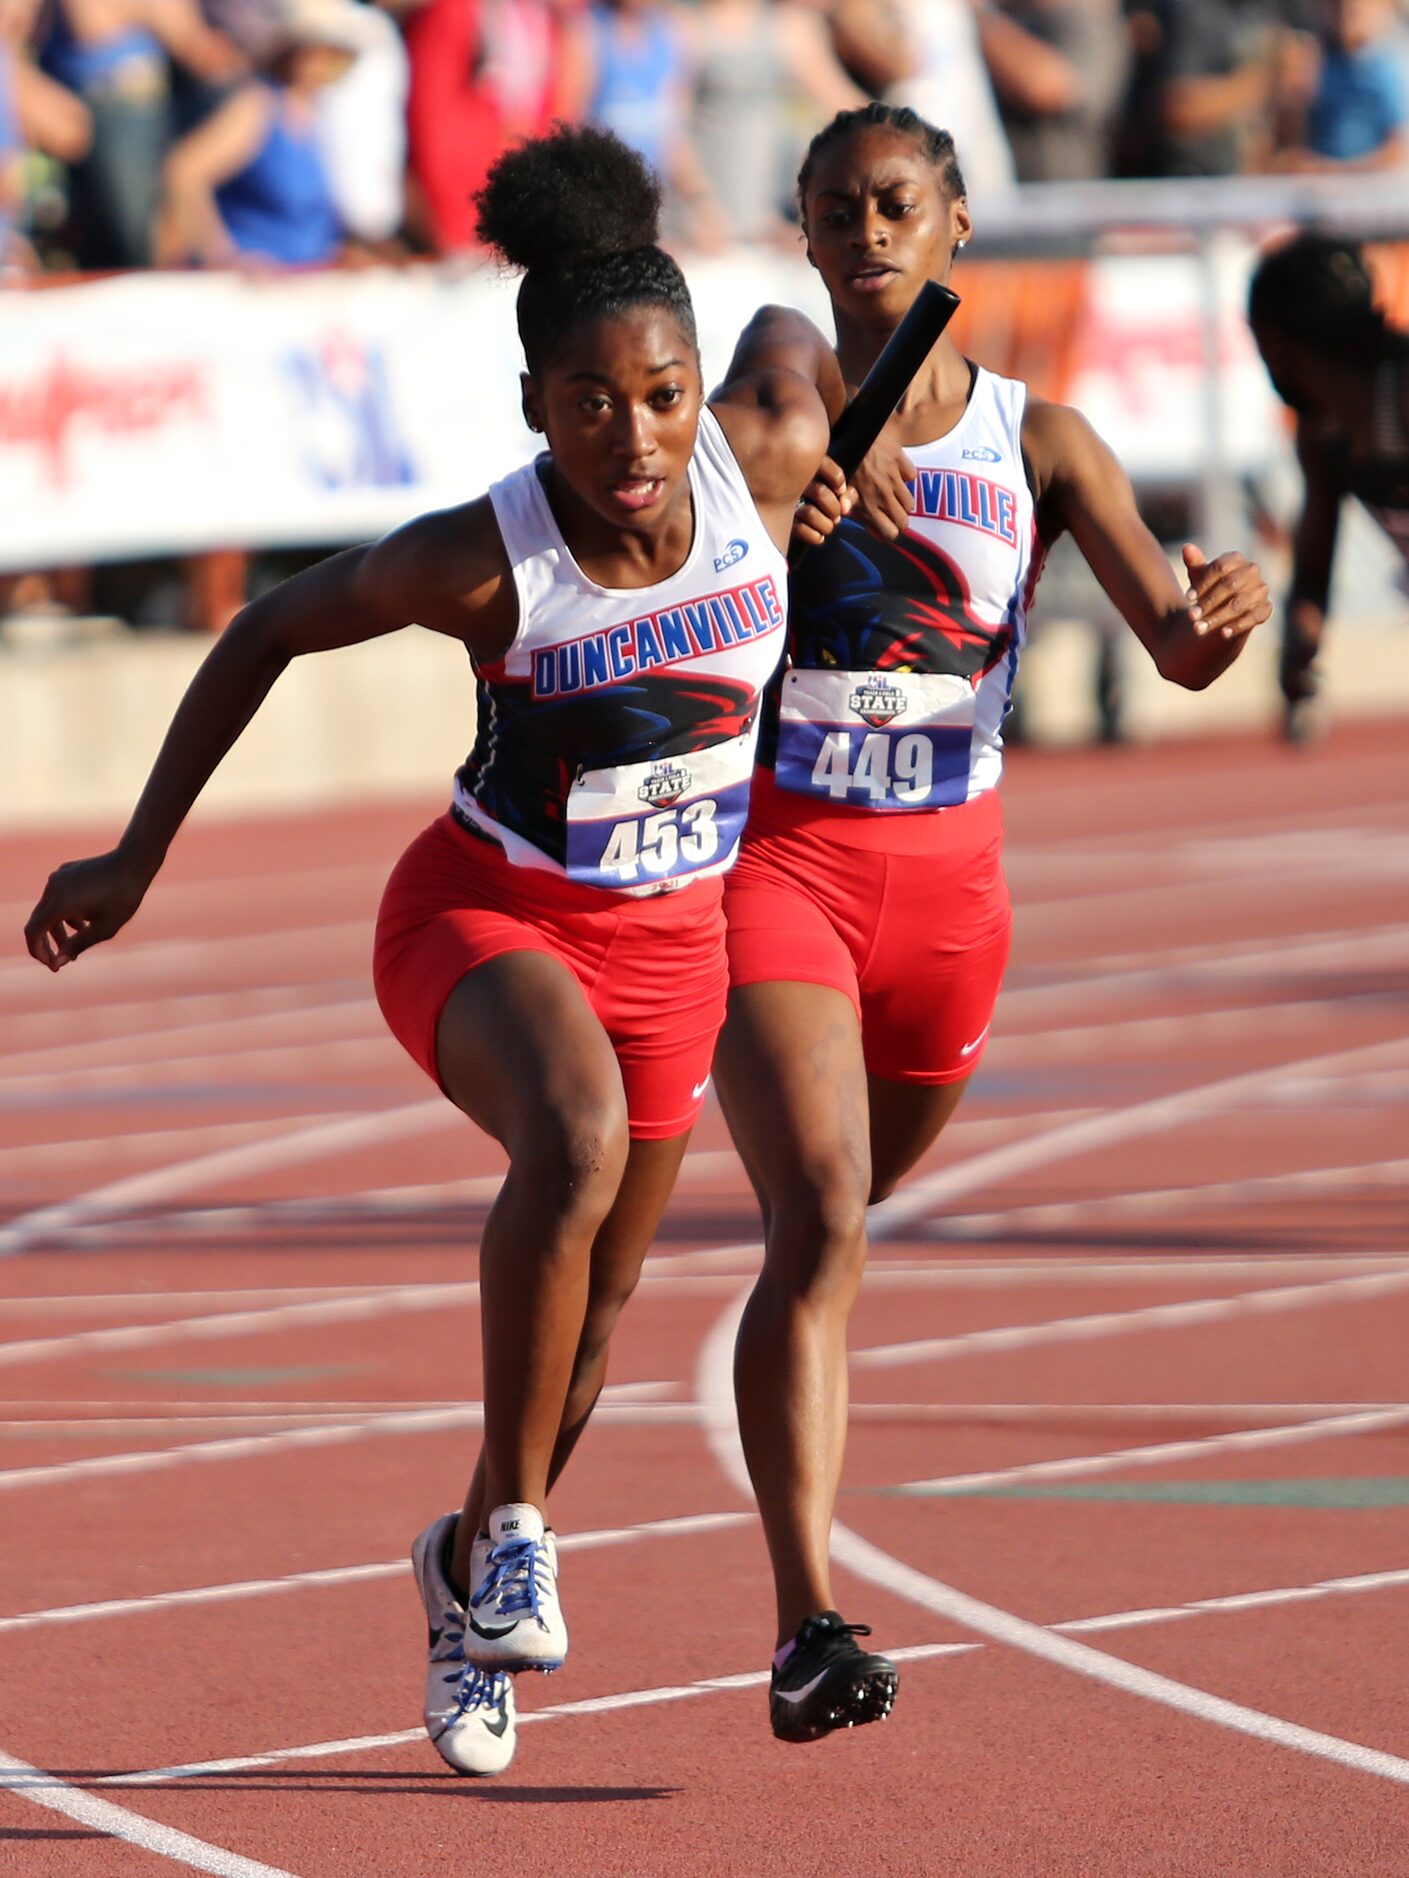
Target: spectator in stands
[(638, 77), (362, 133), (1355, 115), (251, 180), (1201, 96), (950, 85), (875, 42), (753, 61), (484, 75), (36, 113), (1059, 70), (115, 55)]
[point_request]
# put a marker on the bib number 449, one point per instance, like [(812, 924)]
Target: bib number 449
[(654, 845), (899, 769)]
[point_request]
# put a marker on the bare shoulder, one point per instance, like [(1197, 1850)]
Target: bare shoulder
[(448, 570), (1058, 443)]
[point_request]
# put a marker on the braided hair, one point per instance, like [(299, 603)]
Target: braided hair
[(937, 146), (579, 213), (1317, 289)]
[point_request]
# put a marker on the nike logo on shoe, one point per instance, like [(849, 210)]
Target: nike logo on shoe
[(491, 1636), (799, 1695), (500, 1727)]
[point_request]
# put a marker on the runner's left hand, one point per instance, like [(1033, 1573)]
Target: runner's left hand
[(884, 499), (1227, 596)]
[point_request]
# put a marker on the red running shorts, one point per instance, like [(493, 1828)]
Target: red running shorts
[(653, 969), (906, 915)]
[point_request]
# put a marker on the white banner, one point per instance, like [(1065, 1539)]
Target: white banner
[(156, 413)]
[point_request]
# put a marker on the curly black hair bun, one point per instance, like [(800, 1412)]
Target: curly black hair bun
[(572, 197)]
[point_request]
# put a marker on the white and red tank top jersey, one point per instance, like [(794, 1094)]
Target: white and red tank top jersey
[(902, 655), (617, 735)]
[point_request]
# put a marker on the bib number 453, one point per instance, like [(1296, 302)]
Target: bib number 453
[(654, 845)]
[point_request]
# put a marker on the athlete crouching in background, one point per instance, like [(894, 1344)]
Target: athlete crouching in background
[(868, 914), (1335, 360)]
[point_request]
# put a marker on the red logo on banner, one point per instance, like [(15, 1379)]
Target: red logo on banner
[(42, 412)]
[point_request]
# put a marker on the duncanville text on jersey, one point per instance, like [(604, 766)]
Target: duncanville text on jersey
[(676, 633), (954, 495)]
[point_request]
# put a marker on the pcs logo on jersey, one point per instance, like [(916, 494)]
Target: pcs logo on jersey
[(733, 553), (665, 785), (877, 703)]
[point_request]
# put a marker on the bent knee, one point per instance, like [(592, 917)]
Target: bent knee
[(573, 1160), (818, 1239)]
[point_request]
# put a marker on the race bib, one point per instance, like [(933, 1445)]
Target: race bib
[(643, 826), (876, 740)]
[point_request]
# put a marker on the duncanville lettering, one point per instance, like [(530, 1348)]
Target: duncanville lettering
[(954, 495), (750, 611)]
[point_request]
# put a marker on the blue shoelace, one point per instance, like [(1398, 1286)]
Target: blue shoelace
[(479, 1688), (511, 1583)]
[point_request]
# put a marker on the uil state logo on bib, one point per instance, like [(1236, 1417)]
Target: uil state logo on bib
[(665, 785), (877, 703)]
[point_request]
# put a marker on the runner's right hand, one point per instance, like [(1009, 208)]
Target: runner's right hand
[(83, 903)]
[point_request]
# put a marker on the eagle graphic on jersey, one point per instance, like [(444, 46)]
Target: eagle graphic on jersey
[(859, 604), (528, 751)]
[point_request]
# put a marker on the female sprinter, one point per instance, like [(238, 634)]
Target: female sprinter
[(1337, 362), (551, 950), (868, 917)]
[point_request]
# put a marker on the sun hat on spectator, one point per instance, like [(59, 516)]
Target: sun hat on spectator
[(343, 25)]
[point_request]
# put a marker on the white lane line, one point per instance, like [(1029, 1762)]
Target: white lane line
[(752, 1679), (683, 1526), (869, 1561), (880, 1568), (116, 1822), (1064, 1414), (30, 1031), (1135, 1268), (283, 1146), (1161, 1454), (1121, 1323), (133, 1144), (375, 1204), (324, 1434), (161, 1079), (269, 1318), (1170, 968), (124, 1300), (1258, 1187), (1103, 1130), (94, 1062), (161, 961)]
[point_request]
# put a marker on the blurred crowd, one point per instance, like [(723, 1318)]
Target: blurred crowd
[(312, 132)]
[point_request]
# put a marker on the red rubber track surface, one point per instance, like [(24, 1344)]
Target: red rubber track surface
[(1144, 1316)]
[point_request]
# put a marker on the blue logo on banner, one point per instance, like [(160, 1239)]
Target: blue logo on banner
[(348, 416)]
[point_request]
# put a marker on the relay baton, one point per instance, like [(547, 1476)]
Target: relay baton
[(885, 384)]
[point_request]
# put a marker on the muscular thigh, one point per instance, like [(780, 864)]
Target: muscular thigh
[(792, 1082), (517, 1044)]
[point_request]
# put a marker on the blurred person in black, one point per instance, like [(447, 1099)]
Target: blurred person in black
[(1201, 94), (1336, 361), (1059, 70)]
